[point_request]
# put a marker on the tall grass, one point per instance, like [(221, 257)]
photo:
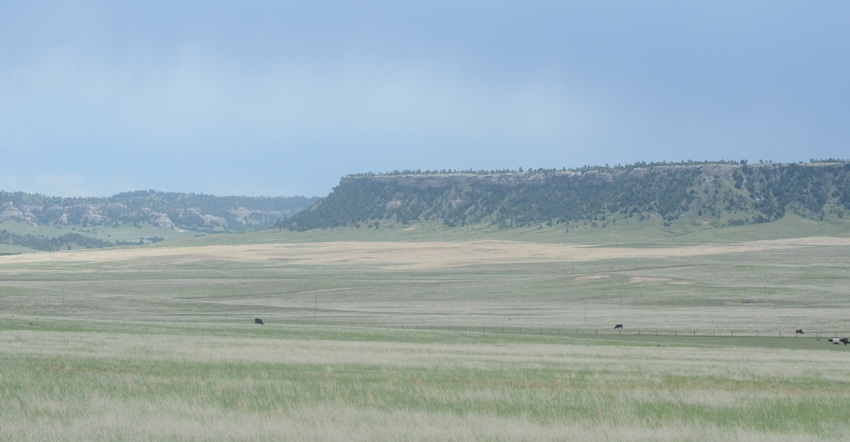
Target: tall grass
[(161, 346), (187, 382)]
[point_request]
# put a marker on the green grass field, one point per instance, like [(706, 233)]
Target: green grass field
[(82, 380), (418, 340)]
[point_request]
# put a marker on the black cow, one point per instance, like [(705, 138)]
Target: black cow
[(799, 331), (258, 321), (618, 326)]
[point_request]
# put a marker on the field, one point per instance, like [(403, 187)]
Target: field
[(427, 340)]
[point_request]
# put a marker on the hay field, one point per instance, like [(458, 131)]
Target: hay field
[(768, 286), (483, 340)]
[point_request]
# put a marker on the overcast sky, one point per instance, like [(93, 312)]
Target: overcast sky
[(282, 98)]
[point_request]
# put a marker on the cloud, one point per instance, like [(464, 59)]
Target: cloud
[(294, 92), (196, 99)]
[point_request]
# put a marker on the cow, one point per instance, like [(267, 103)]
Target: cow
[(837, 341), (618, 326), (258, 321), (799, 331)]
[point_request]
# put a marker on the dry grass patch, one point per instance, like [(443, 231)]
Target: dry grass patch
[(419, 255), (101, 373), (189, 383)]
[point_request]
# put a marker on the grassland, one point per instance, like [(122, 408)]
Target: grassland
[(70, 380), (428, 340)]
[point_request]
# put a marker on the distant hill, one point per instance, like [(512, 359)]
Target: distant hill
[(50, 223), (708, 194)]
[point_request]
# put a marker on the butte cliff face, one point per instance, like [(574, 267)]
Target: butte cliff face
[(716, 194)]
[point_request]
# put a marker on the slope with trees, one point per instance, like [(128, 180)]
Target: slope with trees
[(713, 193), (167, 211)]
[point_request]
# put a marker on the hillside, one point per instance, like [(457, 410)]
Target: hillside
[(700, 195), (40, 222)]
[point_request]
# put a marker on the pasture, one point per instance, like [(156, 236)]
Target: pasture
[(427, 340)]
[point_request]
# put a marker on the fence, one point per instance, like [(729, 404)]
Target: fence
[(523, 330), (527, 330), (566, 331)]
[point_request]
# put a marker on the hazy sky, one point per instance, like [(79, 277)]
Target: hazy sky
[(282, 98)]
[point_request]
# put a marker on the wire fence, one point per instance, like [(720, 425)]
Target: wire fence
[(520, 330), (553, 331), (584, 331)]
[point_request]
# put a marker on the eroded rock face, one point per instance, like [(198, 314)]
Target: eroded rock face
[(9, 212), (169, 210), (164, 221), (696, 194), (463, 181), (242, 215), (214, 221)]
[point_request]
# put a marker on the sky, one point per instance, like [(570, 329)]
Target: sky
[(283, 98)]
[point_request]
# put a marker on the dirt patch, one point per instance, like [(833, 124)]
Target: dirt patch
[(592, 277), (650, 280), (647, 280)]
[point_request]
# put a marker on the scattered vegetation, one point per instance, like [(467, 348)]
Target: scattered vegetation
[(714, 194), (379, 340), (49, 218)]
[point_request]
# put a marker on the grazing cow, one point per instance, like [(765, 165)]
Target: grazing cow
[(618, 326), (844, 341), (258, 321), (839, 341), (799, 331)]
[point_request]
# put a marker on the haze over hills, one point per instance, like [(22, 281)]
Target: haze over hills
[(672, 196), (51, 223), (702, 195)]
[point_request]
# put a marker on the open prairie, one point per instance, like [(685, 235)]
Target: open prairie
[(768, 286), (451, 340)]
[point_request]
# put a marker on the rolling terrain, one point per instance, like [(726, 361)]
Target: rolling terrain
[(36, 222), (496, 339), (422, 330)]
